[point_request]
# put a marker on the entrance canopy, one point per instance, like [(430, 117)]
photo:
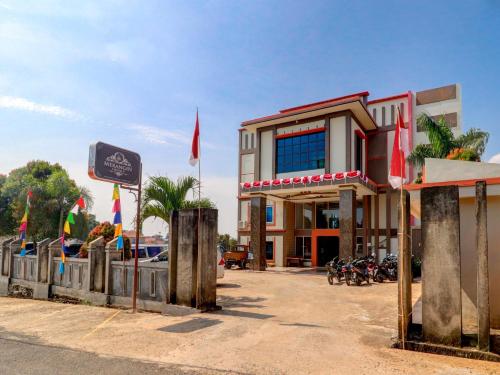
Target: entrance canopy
[(317, 187)]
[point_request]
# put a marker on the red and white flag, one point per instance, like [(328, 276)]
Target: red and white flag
[(400, 150), (195, 146)]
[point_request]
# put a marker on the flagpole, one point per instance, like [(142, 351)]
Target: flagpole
[(401, 239)]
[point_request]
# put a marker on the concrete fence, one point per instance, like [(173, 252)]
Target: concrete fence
[(460, 282), (102, 278)]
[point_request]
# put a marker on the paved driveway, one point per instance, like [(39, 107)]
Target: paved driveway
[(271, 323)]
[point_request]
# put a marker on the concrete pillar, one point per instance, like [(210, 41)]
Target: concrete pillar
[(42, 261), (376, 238), (41, 289), (366, 223), (206, 280), (173, 242), (54, 250), (347, 221), (289, 236), (187, 258), (483, 303), (96, 266), (4, 266), (404, 269), (441, 284), (14, 248), (111, 255), (258, 232)]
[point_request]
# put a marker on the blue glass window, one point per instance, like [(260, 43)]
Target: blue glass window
[(300, 153), (269, 214)]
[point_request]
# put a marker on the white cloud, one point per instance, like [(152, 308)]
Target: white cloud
[(495, 159), (157, 135), (23, 104)]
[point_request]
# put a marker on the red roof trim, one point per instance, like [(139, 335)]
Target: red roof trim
[(286, 110), (306, 109), (386, 99)]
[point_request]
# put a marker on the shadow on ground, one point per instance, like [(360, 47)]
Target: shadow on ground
[(189, 326), (244, 301)]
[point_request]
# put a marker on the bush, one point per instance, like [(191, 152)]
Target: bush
[(107, 231)]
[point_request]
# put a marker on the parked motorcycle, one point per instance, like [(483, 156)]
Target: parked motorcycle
[(359, 271), (331, 268), (387, 270), (346, 271), (334, 270)]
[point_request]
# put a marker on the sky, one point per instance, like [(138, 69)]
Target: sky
[(132, 73)]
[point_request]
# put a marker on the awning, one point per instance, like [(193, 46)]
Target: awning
[(322, 186)]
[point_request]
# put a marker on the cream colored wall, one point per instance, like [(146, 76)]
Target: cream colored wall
[(337, 144), (439, 170), (247, 167), (469, 259), (266, 155), (278, 249), (387, 105), (245, 132), (244, 240), (301, 127), (245, 214), (278, 215), (436, 109)]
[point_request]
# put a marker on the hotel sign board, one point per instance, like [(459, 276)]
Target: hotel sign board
[(114, 164)]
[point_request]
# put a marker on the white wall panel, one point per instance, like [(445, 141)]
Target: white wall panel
[(266, 155), (337, 144)]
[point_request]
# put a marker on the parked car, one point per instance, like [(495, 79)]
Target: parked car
[(150, 252), (72, 248), (30, 248)]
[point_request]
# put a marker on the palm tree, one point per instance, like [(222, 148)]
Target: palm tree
[(162, 196), (443, 144)]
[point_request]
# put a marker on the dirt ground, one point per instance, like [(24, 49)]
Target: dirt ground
[(274, 322)]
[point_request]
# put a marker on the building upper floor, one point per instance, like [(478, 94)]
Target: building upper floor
[(349, 133)]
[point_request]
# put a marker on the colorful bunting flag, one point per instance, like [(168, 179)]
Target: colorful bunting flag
[(118, 217), (24, 223), (79, 204)]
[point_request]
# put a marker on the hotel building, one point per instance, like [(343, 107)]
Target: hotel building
[(313, 178)]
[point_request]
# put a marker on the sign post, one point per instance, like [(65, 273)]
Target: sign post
[(120, 166)]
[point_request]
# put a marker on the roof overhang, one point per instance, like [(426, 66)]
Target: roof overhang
[(354, 105), (309, 188)]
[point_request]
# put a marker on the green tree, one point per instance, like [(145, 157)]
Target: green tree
[(7, 223), (64, 193), (162, 196), (53, 195), (443, 144), (226, 241)]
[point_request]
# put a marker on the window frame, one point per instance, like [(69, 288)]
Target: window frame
[(300, 152), (272, 207)]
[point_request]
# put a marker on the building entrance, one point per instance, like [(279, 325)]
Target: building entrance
[(327, 248)]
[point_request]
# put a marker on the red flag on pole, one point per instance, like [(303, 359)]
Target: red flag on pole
[(400, 150), (195, 146)]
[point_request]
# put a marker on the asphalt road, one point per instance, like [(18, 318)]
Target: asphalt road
[(23, 358)]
